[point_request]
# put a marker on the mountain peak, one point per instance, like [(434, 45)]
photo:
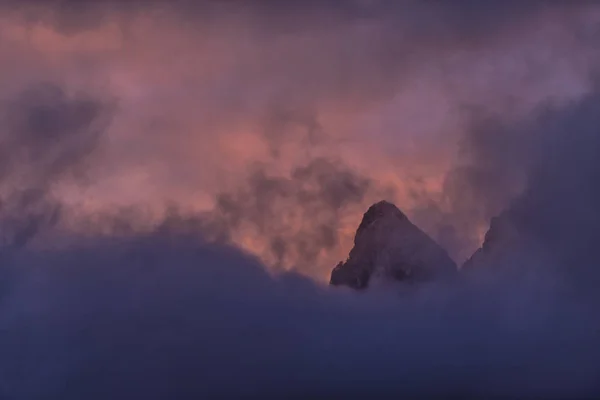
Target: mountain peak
[(382, 209), (388, 246)]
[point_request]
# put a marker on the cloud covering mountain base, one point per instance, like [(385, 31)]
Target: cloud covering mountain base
[(162, 316), (172, 173)]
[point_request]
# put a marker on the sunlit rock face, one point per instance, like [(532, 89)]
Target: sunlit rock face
[(388, 247)]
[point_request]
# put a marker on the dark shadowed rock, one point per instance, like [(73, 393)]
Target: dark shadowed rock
[(501, 237), (388, 246), (511, 251)]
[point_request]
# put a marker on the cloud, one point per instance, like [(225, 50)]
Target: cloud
[(558, 206), (163, 316), (465, 18), (48, 131), (494, 160), (276, 136), (300, 215), (206, 90), (47, 136)]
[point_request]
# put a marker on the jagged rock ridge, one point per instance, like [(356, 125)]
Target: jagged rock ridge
[(388, 246)]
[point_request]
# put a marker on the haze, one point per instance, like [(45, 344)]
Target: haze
[(178, 179)]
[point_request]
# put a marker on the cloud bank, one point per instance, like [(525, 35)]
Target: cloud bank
[(157, 317), (161, 160)]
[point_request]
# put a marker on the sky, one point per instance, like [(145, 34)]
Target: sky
[(286, 120), (178, 179)]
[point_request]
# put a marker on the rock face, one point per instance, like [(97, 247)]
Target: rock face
[(388, 246), (513, 250), (502, 237), (526, 239)]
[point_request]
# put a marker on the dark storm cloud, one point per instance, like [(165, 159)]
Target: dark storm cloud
[(46, 136)]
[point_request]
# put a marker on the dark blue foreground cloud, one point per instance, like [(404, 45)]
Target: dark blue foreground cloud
[(162, 317), (167, 317)]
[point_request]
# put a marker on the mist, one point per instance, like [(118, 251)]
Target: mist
[(178, 179), (159, 316)]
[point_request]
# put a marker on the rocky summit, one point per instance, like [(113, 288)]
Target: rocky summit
[(388, 247)]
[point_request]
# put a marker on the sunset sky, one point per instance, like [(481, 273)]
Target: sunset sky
[(178, 179), (281, 122)]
